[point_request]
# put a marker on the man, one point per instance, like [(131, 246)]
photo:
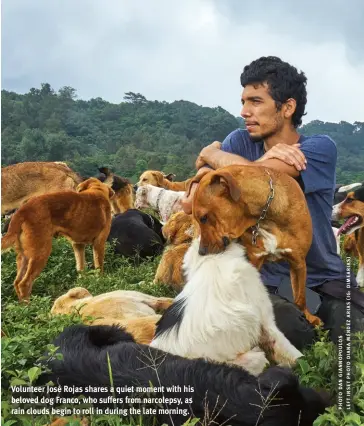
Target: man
[(273, 103)]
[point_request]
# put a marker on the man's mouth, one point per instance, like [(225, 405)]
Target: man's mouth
[(351, 224), (250, 126)]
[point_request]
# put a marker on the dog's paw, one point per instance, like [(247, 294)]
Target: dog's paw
[(312, 319), (254, 361)]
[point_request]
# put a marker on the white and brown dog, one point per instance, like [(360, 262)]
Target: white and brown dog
[(164, 201), (223, 313)]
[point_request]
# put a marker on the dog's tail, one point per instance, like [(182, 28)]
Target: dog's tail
[(8, 241)]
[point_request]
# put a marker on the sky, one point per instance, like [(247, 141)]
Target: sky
[(193, 50)]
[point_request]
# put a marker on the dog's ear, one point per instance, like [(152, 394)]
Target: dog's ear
[(195, 179), (83, 186), (159, 177), (78, 293), (106, 171), (170, 177), (227, 180), (111, 193)]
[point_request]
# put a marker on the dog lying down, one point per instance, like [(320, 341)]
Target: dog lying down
[(132, 310), (215, 393), (222, 313)]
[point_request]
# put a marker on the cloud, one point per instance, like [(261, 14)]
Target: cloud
[(193, 50)]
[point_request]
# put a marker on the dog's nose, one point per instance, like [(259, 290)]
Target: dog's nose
[(135, 187), (225, 241), (202, 250)]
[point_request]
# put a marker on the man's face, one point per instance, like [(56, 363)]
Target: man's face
[(259, 111)]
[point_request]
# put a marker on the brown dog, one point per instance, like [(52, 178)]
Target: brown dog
[(178, 232), (123, 199), (352, 210), (83, 217), (21, 181), (155, 178), (231, 200), (132, 310)]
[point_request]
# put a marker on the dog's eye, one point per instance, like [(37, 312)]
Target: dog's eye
[(349, 200), (203, 219)]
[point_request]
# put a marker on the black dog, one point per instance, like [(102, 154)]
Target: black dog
[(226, 394), (137, 234)]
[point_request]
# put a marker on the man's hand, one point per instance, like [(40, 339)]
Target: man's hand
[(204, 155), (290, 154)]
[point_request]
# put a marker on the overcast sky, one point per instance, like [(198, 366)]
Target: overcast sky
[(192, 49)]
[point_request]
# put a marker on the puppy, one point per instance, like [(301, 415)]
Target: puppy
[(123, 199), (178, 232), (214, 393), (223, 312), (352, 210), (20, 182), (164, 201), (83, 217), (159, 179), (228, 204), (136, 234), (132, 310)]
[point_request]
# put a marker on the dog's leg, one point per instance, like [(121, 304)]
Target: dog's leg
[(158, 303), (35, 267), (79, 250), (98, 249), (22, 264), (298, 273)]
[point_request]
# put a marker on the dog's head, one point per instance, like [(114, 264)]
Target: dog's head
[(94, 185), (65, 303), (155, 178), (352, 210), (141, 197), (218, 210)]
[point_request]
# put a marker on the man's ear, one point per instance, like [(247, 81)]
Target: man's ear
[(225, 179), (196, 179), (111, 193)]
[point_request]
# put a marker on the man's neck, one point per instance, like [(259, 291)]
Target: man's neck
[(286, 136)]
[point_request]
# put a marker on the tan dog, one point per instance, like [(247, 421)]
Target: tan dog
[(83, 217), (178, 232), (21, 181), (155, 178), (133, 310), (352, 210), (229, 201), (123, 199)]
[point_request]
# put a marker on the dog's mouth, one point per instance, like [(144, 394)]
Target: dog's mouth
[(351, 224)]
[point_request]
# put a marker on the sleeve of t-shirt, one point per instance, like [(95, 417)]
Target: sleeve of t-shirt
[(321, 156), (234, 143)]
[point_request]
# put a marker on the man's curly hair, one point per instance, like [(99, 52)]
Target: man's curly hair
[(284, 82)]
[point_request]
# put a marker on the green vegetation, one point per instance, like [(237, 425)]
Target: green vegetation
[(136, 134)]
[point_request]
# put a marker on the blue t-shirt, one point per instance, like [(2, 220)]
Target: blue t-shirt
[(319, 179)]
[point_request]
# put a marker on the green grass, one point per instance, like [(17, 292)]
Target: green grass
[(30, 329)]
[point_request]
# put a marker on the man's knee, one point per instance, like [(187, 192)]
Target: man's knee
[(292, 322)]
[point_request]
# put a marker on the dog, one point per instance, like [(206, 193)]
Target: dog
[(123, 199), (132, 310), (352, 210), (230, 202), (137, 234), (164, 201), (178, 232), (159, 179), (214, 393), (83, 217), (20, 182), (223, 312)]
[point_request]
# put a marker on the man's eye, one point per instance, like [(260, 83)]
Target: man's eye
[(203, 219)]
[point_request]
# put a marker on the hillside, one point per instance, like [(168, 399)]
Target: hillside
[(136, 134)]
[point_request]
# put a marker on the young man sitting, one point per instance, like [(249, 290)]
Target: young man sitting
[(273, 103)]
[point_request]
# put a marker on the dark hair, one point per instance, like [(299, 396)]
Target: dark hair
[(284, 82)]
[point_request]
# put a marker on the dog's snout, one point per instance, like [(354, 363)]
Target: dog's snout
[(225, 241), (202, 251), (135, 187)]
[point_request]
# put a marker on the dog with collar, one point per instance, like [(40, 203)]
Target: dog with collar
[(223, 313), (164, 201), (352, 211), (266, 210)]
